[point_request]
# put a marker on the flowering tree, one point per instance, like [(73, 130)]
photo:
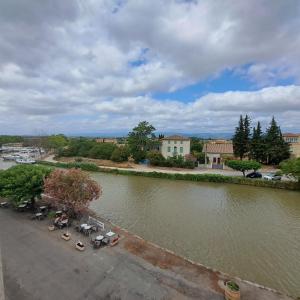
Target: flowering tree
[(71, 189)]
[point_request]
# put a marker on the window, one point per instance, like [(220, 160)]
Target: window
[(175, 150), (181, 142), (169, 149), (181, 149), (168, 142), (175, 142)]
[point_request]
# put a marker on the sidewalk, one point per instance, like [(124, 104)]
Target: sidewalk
[(38, 264)]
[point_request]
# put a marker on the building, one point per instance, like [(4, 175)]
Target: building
[(216, 152), (175, 145), (107, 140), (294, 140)]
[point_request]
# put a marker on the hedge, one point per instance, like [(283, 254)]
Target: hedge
[(177, 176)]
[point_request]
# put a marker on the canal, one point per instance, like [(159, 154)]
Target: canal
[(250, 232)]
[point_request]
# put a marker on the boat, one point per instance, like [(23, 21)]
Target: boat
[(25, 161), (11, 157)]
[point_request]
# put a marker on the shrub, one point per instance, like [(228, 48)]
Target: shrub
[(217, 178), (156, 158), (120, 154), (102, 150)]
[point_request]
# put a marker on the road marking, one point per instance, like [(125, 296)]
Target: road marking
[(2, 295)]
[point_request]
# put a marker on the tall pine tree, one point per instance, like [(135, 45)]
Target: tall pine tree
[(257, 145), (277, 149), (241, 138)]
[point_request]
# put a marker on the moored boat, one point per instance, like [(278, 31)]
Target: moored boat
[(25, 161)]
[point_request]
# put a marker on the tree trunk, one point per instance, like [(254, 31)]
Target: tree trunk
[(32, 203)]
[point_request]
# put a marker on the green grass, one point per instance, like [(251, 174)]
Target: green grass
[(177, 176)]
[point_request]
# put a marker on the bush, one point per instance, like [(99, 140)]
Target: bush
[(156, 158), (120, 154), (83, 166), (102, 150), (289, 185)]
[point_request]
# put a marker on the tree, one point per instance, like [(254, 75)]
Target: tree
[(247, 134), (141, 139), (241, 138), (277, 149), (120, 154), (23, 182), (56, 141), (291, 166), (257, 145), (196, 144), (243, 165), (72, 190), (102, 150)]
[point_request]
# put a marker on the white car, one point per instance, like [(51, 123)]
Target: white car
[(272, 176)]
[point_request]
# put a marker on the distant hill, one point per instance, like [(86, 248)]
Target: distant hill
[(204, 135)]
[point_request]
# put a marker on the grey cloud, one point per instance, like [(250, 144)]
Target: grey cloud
[(73, 60)]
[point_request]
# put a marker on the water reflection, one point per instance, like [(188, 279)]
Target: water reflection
[(245, 231)]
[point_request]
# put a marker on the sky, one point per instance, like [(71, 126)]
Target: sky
[(185, 66)]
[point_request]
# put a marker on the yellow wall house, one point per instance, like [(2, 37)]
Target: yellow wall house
[(175, 145), (294, 140)]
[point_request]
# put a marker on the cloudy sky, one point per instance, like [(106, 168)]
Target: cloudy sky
[(82, 66)]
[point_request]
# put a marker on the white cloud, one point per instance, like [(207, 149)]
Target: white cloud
[(89, 65)]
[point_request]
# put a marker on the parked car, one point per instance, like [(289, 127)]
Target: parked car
[(272, 176), (254, 175)]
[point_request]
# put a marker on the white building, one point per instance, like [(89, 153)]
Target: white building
[(175, 145)]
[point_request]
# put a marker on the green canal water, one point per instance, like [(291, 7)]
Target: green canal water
[(250, 232)]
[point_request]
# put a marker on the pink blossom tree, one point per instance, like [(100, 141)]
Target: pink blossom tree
[(72, 190)]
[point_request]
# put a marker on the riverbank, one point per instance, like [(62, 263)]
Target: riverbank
[(218, 178), (39, 264)]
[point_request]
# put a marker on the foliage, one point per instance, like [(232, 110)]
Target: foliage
[(120, 154), (72, 190), (196, 177), (243, 165), (241, 138), (102, 150), (233, 286), (77, 165), (196, 145), (257, 144), (291, 166), (277, 149), (5, 139), (200, 156), (51, 214), (56, 141), (88, 148), (156, 159), (141, 139), (269, 148), (23, 182)]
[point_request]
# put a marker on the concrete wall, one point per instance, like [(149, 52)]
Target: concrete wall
[(168, 148), (295, 149)]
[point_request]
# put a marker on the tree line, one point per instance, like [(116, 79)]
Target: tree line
[(265, 147)]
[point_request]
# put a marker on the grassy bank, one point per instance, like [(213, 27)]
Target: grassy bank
[(177, 176)]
